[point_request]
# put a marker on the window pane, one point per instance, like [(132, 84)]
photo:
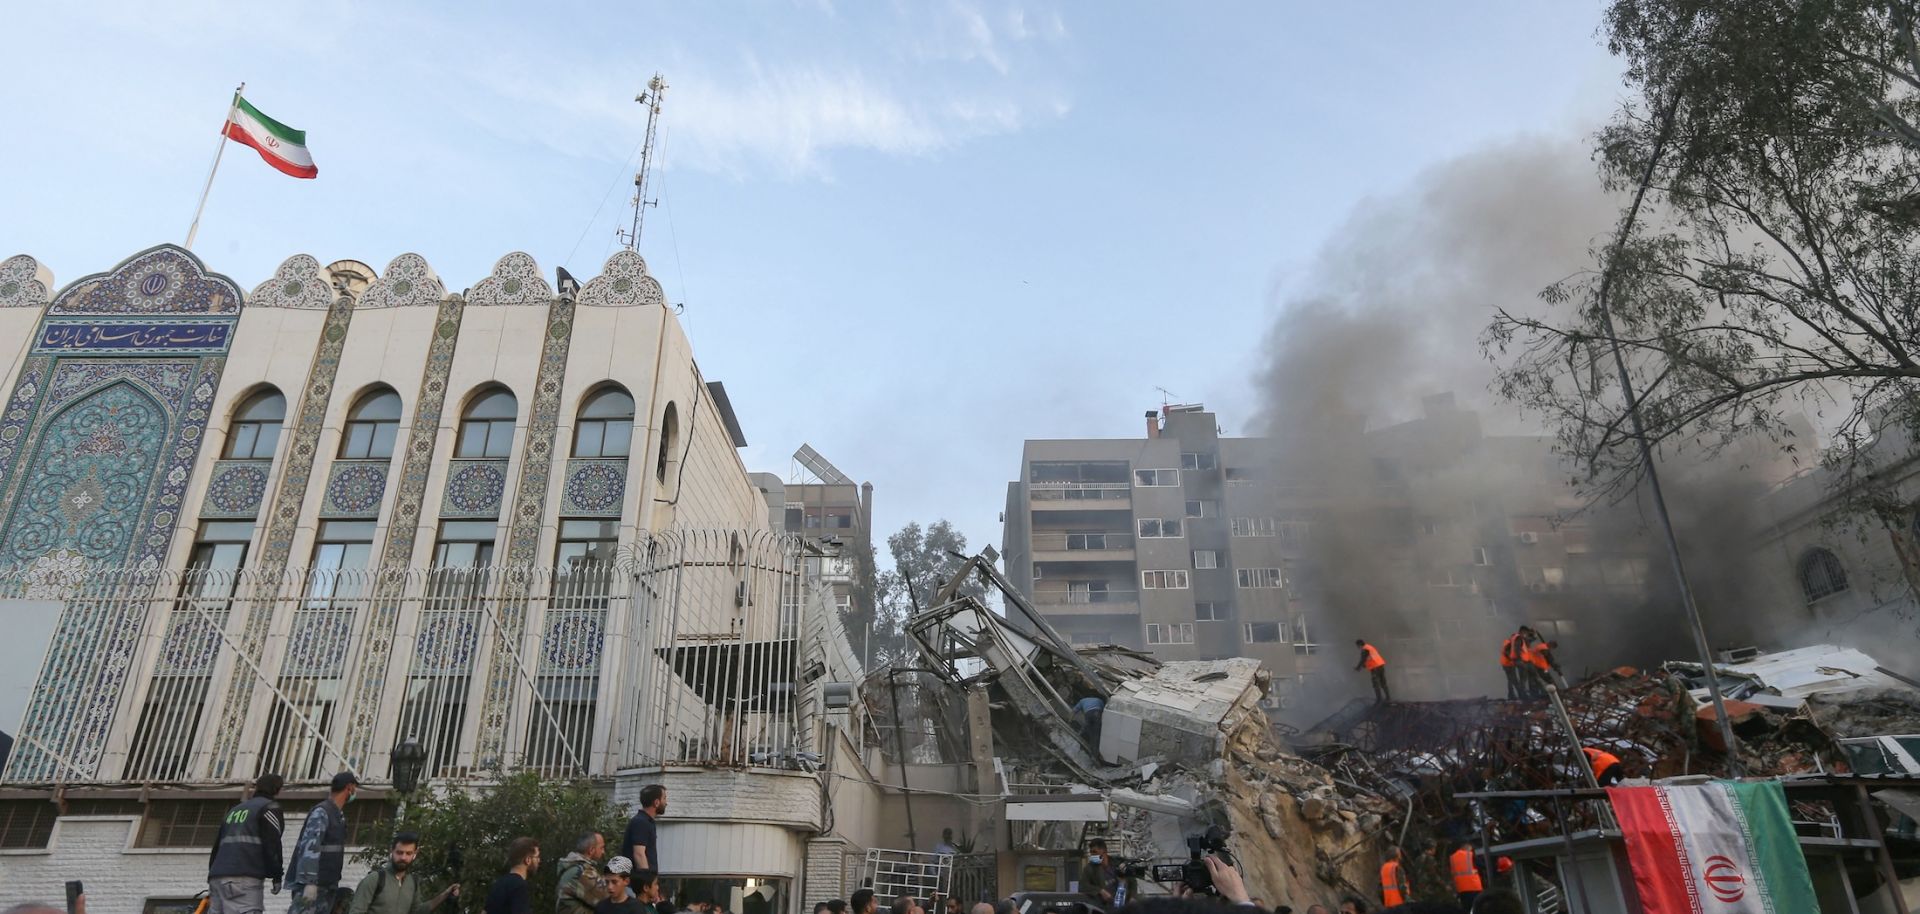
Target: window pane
[(267, 440), (383, 435), (241, 444), (383, 405), (495, 404), (264, 406), (619, 436), (226, 531), (346, 531), (608, 403), (500, 438), (469, 530), (358, 439), (326, 556), (586, 439), (455, 555), (473, 440)]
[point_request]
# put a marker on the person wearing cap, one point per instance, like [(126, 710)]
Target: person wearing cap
[(246, 852), (620, 897), (321, 849)]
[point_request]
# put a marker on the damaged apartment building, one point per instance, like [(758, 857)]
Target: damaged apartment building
[(1430, 538)]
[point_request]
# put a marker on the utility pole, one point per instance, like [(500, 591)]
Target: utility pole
[(656, 92)]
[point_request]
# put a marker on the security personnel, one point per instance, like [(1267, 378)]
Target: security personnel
[(1394, 889), (1373, 663), (320, 851), (1466, 876), (1510, 665), (246, 852), (1606, 766)]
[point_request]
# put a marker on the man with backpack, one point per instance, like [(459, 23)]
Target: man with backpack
[(394, 888), (246, 853)]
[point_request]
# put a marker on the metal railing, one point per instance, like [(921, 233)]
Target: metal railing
[(1079, 491), (684, 651), (1084, 597), (1076, 542)]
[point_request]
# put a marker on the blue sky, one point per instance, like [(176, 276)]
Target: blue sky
[(911, 234)]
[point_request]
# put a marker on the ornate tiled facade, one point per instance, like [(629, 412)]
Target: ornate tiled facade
[(24, 283), (235, 489), (474, 489), (407, 281), (515, 280), (623, 283), (354, 489), (298, 283), (595, 487)]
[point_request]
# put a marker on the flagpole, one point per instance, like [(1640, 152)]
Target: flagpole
[(218, 150)]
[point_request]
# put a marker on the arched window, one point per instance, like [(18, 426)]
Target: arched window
[(256, 426), (372, 425), (486, 428), (1821, 574), (669, 442), (605, 424)]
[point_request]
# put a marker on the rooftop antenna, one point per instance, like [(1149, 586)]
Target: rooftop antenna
[(1166, 399), (656, 91)]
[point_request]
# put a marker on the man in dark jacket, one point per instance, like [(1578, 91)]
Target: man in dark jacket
[(322, 848), (246, 853)]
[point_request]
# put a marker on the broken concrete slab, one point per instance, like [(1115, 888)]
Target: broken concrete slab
[(1182, 711)]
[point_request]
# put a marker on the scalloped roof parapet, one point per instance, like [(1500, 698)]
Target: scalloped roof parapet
[(515, 280), (165, 279), (406, 281), (298, 283), (24, 282), (623, 282)]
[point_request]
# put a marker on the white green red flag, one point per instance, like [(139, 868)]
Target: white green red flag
[(282, 146), (1718, 848)]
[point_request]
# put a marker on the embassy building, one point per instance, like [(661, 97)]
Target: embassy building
[(295, 528)]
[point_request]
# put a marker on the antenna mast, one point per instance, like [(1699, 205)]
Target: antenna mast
[(656, 90)]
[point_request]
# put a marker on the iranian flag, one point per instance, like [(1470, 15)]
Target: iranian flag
[(282, 146), (1719, 848)]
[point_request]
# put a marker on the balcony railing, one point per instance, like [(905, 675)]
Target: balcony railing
[(1084, 597), (1080, 491), (685, 651), (1082, 542)]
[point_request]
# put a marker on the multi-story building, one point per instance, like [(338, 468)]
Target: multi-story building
[(832, 515), (295, 529), (1429, 538)]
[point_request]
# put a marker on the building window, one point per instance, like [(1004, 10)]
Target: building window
[(182, 823), (1209, 611), (340, 559), (486, 428), (604, 427), (1480, 556), (1197, 462), (1263, 632), (1163, 580), (1153, 478), (1203, 507), (1241, 476), (1170, 633), (26, 824), (669, 442), (1158, 528), (1260, 577), (1821, 574), (372, 426), (819, 518), (219, 552), (584, 544), (1205, 558), (1094, 542), (1294, 531), (1058, 472), (1302, 644), (1252, 526), (465, 544), (256, 426)]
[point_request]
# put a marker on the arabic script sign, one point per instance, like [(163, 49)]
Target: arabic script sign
[(180, 337)]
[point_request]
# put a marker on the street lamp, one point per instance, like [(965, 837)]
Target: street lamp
[(408, 758)]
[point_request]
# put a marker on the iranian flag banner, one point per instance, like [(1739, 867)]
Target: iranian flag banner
[(1719, 848), (282, 146)]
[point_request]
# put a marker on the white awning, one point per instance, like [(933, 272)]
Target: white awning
[(1062, 809)]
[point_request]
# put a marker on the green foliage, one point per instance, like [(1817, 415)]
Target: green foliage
[(1773, 271), (483, 820), (926, 557)]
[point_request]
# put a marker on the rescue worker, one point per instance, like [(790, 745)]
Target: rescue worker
[(1534, 663), (1606, 766), (1394, 888), (1510, 665), (1376, 665), (246, 852), (1466, 875)]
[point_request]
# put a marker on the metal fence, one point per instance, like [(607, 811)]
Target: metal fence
[(685, 650)]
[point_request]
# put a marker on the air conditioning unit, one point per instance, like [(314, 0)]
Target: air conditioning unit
[(1529, 537)]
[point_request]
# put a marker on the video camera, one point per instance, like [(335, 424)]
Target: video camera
[(1193, 874)]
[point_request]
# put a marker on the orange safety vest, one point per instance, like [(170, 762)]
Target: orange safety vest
[(1600, 760), (1535, 652), (1506, 651), (1465, 877), (1374, 660), (1393, 884)]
